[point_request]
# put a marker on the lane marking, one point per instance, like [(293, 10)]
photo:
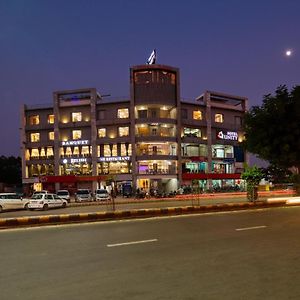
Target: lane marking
[(250, 228), (132, 243)]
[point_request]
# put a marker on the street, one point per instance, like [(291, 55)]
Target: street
[(234, 255)]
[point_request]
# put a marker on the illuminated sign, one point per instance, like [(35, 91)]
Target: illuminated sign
[(74, 160), (75, 143), (227, 135), (114, 158)]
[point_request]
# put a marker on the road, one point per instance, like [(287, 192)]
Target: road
[(233, 255), (121, 205)]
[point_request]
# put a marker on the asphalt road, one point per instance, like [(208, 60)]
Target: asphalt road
[(98, 206), (235, 255)]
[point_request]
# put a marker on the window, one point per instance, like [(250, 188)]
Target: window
[(123, 113), (192, 132), (76, 116), (106, 150), (34, 120), (142, 113), (51, 136), (85, 150), (184, 113), (101, 114), (102, 132), (197, 115), (50, 119), (76, 134), (35, 153), (49, 151), (35, 137), (124, 131), (219, 118)]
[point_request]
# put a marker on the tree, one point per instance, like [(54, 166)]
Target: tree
[(252, 176), (10, 170), (272, 130)]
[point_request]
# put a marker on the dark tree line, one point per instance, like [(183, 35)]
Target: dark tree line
[(10, 170)]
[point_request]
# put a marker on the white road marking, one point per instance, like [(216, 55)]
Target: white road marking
[(250, 228), (132, 243)]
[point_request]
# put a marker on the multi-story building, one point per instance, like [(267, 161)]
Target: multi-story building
[(151, 140)]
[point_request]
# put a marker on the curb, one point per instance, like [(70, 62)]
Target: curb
[(135, 213)]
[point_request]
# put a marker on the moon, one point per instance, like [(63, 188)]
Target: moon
[(288, 52)]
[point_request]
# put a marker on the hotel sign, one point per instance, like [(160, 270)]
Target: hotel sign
[(113, 158), (74, 160), (75, 143), (227, 135)]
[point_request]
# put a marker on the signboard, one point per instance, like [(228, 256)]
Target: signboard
[(74, 160), (227, 135), (75, 143), (113, 158)]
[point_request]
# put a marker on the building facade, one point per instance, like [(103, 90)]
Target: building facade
[(153, 140)]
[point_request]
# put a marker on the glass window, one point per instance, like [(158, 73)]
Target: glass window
[(76, 116), (50, 119), (123, 113), (35, 137), (76, 151), (192, 132), (76, 134), (197, 115), (85, 151), (124, 131), (219, 118), (43, 152), (107, 150), (142, 113), (35, 153), (51, 136), (102, 132), (34, 120), (49, 151)]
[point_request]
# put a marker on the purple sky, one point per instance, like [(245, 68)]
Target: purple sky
[(229, 46)]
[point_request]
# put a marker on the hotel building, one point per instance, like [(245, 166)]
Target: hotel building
[(150, 140)]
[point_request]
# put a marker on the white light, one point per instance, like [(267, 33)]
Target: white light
[(288, 52)]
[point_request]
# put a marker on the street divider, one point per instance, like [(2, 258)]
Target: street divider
[(135, 213)]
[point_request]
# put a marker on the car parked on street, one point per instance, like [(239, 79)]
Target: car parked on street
[(12, 201), (45, 201), (83, 195), (102, 195), (64, 194)]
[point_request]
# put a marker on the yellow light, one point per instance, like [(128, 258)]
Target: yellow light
[(65, 120)]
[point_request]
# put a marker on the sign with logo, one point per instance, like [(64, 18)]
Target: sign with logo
[(74, 160), (227, 135), (75, 143), (113, 158)]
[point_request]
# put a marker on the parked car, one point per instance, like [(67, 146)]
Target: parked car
[(83, 195), (45, 201), (64, 194), (12, 201), (102, 194)]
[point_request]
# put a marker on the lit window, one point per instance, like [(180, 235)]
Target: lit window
[(123, 131), (35, 153), (34, 120), (76, 134), (219, 118), (49, 151), (50, 119), (68, 151), (35, 137), (102, 132), (197, 115), (85, 151), (76, 116), (114, 150), (43, 153), (107, 150), (191, 132), (76, 151), (123, 113), (51, 136)]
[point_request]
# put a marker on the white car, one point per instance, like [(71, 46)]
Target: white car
[(45, 201), (83, 195), (64, 194), (102, 194), (12, 201)]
